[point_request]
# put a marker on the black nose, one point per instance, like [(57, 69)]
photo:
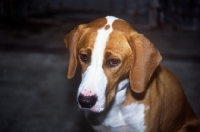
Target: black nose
[(87, 101)]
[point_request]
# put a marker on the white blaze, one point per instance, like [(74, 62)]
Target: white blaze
[(94, 78)]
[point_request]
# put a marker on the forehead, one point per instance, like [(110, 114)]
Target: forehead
[(116, 41)]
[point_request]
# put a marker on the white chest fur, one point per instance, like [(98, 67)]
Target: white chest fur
[(120, 118)]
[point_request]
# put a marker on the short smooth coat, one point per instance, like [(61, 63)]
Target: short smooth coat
[(121, 68)]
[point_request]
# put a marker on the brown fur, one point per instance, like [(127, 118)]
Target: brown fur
[(166, 106)]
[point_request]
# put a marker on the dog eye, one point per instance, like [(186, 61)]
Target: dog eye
[(113, 62), (84, 57)]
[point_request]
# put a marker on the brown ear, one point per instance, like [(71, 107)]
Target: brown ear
[(147, 59), (71, 40)]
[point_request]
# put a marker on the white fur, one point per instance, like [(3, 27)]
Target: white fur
[(114, 116), (119, 118), (94, 78), (129, 118)]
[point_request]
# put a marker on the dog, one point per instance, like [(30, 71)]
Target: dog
[(124, 88)]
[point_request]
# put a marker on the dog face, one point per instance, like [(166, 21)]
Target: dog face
[(109, 51)]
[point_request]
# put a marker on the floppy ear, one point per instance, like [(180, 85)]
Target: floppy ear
[(147, 58), (71, 40)]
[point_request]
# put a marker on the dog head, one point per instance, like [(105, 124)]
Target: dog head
[(109, 50)]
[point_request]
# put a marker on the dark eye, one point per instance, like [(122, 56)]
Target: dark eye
[(84, 57), (113, 62)]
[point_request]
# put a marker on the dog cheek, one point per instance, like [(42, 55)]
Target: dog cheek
[(83, 69), (110, 93), (109, 98)]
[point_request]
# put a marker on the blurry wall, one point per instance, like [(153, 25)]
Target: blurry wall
[(176, 14)]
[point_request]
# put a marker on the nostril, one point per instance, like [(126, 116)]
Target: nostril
[(87, 101)]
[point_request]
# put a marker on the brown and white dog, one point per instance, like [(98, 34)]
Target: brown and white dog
[(123, 87)]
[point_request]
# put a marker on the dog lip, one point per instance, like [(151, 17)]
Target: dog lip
[(87, 101)]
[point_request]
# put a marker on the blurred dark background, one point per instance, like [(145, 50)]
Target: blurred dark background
[(35, 95)]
